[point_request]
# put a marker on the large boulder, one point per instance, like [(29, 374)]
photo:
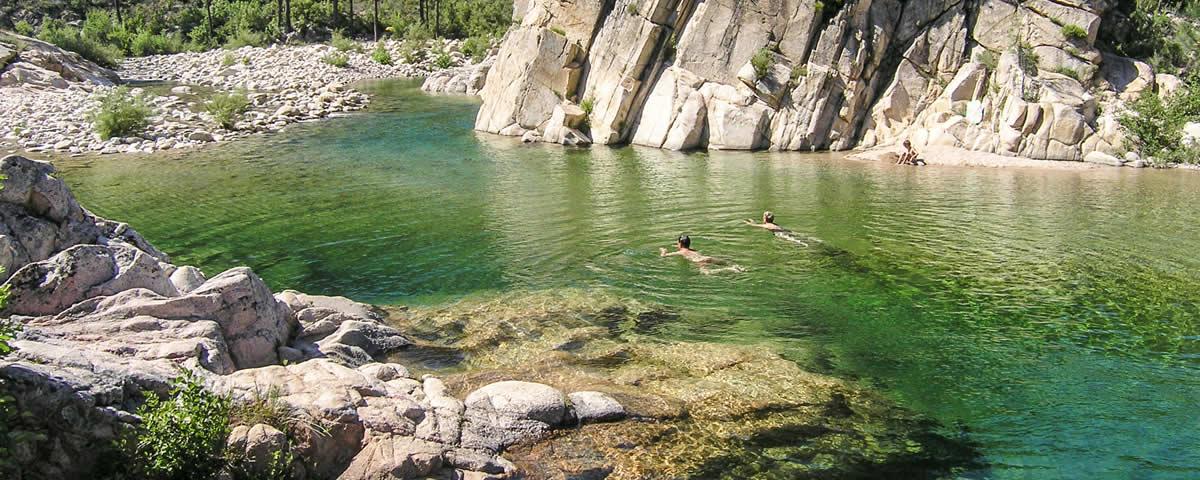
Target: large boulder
[(39, 217), (50, 66), (258, 448), (371, 427), (509, 412), (534, 70), (82, 272), (674, 113)]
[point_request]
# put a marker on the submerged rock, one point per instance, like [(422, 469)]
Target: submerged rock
[(706, 410), (595, 407)]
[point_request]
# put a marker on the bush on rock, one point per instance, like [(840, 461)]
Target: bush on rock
[(182, 436)]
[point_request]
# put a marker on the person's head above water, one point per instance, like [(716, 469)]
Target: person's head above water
[(684, 241), (768, 217)]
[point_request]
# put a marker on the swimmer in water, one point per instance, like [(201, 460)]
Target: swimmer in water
[(769, 224), (683, 248)]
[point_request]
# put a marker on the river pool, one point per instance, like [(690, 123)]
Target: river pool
[(1053, 316)]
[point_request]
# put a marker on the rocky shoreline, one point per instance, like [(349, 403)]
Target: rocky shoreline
[(106, 319), (44, 103)]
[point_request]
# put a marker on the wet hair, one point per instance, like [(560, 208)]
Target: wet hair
[(907, 143), (768, 217), (685, 241)]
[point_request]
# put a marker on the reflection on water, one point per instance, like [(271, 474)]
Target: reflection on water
[(1054, 314)]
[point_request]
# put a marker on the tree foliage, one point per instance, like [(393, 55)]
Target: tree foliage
[(1155, 125)]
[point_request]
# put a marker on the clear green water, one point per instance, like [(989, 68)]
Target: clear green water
[(1050, 314)]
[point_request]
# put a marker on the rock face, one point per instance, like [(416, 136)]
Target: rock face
[(466, 80), (41, 65), (986, 75), (105, 319)]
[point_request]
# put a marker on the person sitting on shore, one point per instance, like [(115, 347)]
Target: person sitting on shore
[(909, 156), (683, 248)]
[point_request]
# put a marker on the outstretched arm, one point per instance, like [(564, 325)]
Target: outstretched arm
[(662, 252)]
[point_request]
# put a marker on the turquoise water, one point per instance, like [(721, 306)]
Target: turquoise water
[(1052, 315)]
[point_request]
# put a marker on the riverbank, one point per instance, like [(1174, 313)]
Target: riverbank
[(106, 319), (959, 157), (45, 111)]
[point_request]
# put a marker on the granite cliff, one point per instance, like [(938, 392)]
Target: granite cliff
[(1019, 78)]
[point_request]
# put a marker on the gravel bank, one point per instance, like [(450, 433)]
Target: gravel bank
[(285, 84)]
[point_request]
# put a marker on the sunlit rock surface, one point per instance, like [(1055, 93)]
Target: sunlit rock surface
[(984, 75)]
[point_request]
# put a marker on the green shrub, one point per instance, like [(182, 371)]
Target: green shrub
[(797, 72), (1155, 125), (1027, 59), (245, 38), (17, 427), (418, 33), (443, 60), (72, 39), (181, 437), (412, 52), (227, 108), (337, 59), (762, 61), (23, 27), (632, 8), (381, 55), (1033, 94), (588, 105), (1074, 32), (228, 60), (988, 59), (344, 44), (120, 114), (1067, 71), (146, 43), (476, 48)]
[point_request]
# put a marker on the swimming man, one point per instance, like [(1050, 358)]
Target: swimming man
[(768, 219), (769, 224), (683, 248)]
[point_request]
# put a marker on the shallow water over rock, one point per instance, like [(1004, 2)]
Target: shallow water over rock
[(1051, 315)]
